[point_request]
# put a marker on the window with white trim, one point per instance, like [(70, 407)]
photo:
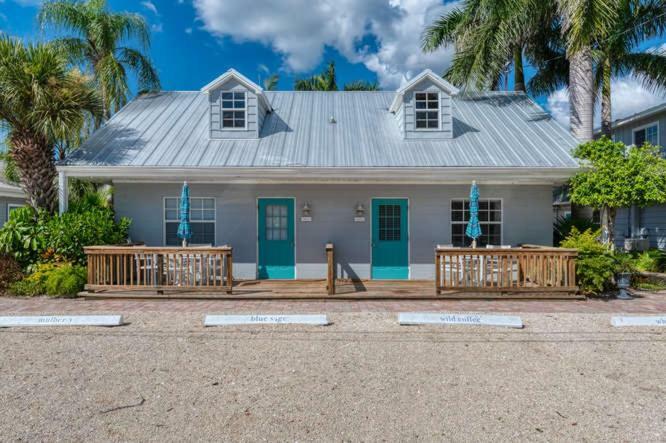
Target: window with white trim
[(649, 133), (233, 110), (427, 110), (490, 220), (202, 221)]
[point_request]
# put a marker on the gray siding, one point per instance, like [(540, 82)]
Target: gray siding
[(446, 123), (625, 132), (4, 207), (252, 113), (526, 209)]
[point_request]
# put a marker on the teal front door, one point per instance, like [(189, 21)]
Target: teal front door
[(276, 238), (390, 250)]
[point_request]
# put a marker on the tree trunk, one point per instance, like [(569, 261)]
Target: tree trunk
[(606, 114), (36, 165), (608, 226), (518, 71), (581, 94)]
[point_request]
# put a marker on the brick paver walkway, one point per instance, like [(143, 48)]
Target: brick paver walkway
[(647, 303)]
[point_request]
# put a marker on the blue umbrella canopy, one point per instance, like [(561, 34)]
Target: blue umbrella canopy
[(184, 228), (473, 230)]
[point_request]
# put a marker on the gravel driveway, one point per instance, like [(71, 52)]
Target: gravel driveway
[(163, 377)]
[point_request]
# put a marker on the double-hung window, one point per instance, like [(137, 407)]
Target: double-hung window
[(648, 133), (427, 110), (202, 220), (233, 110), (490, 220)]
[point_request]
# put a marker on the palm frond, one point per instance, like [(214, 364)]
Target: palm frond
[(146, 73), (361, 85)]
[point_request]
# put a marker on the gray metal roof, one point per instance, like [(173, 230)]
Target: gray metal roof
[(170, 129)]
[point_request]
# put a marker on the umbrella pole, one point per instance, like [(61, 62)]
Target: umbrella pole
[(474, 243), (184, 243)]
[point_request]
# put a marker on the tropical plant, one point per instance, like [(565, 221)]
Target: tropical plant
[(653, 260), (271, 82), (490, 38), (617, 176), (22, 236), (584, 23), (97, 41), (41, 101), (564, 225), (326, 81), (635, 22), (361, 85), (595, 264)]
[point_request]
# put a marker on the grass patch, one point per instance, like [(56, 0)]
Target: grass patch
[(650, 286)]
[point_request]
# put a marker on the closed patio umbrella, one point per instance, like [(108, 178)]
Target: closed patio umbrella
[(473, 230), (184, 228)]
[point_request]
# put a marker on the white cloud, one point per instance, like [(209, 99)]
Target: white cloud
[(188, 30), (628, 96), (300, 30), (157, 27), (150, 6)]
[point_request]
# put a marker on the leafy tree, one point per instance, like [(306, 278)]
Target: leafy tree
[(617, 176), (41, 100), (97, 41)]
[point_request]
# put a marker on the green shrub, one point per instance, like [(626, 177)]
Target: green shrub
[(10, 272), (54, 279), (22, 236), (596, 265), (564, 225), (68, 234), (32, 237), (66, 280), (653, 260)]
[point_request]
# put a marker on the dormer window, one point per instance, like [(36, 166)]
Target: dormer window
[(427, 110), (233, 110)]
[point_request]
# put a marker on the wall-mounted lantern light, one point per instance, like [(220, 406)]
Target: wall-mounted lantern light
[(306, 213), (359, 212)]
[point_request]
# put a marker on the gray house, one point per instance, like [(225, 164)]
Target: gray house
[(384, 175), (645, 126), (11, 197)]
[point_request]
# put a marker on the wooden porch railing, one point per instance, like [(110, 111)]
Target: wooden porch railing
[(330, 274), (159, 268), (500, 270)]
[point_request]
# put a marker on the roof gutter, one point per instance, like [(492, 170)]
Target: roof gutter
[(360, 175)]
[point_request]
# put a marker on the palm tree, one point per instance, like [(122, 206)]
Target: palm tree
[(584, 23), (361, 85), (490, 37), (41, 100), (326, 81), (636, 21), (97, 42), (271, 82)]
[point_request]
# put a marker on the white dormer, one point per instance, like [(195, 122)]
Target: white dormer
[(422, 107), (238, 106)]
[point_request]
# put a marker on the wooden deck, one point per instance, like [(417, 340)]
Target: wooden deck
[(317, 289)]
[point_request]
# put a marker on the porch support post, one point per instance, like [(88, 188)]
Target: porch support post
[(63, 192)]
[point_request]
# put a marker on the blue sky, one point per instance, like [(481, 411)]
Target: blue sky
[(193, 41)]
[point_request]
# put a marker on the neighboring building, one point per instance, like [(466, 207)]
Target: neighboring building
[(650, 126), (11, 197), (384, 175)]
